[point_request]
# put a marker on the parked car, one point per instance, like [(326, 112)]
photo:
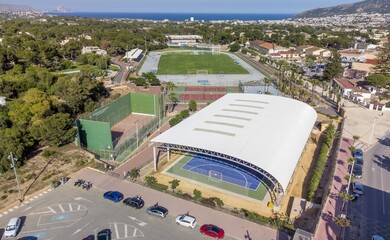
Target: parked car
[(377, 237), (113, 196), (157, 210), (212, 231), (357, 171), (104, 234), (135, 202), (359, 156), (12, 228), (357, 188), (186, 220)]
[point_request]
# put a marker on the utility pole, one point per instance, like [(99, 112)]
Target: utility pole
[(145, 44), (11, 157)]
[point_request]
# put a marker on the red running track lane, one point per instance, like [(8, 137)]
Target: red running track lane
[(327, 229), (234, 227)]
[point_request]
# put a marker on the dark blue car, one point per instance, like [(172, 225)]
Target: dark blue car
[(113, 196), (359, 156)]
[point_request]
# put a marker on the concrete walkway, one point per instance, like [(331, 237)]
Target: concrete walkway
[(327, 229), (234, 227)]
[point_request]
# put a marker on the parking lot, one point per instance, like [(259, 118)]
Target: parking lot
[(70, 212)]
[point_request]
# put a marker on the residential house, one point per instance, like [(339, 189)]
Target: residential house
[(266, 47)]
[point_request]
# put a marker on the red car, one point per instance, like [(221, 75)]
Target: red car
[(212, 231)]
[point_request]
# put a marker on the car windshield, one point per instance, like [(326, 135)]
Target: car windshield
[(359, 187), (10, 227), (214, 229)]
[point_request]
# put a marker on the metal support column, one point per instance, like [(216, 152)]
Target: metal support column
[(154, 158)]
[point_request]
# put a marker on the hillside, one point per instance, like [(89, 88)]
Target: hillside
[(16, 8), (368, 6)]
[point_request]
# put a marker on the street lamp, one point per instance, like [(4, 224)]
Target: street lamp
[(13, 159)]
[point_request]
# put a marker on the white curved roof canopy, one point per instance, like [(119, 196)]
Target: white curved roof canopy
[(264, 130)]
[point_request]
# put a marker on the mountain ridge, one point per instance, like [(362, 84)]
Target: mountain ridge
[(4, 7), (367, 6)]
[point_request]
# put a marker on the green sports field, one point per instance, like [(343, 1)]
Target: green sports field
[(190, 63), (177, 169)]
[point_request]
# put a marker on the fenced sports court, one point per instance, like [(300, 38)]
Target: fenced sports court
[(115, 130), (221, 174), (203, 93)]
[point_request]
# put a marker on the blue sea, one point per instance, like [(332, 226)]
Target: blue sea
[(181, 16)]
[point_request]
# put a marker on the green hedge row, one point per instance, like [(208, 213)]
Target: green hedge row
[(179, 117), (330, 134)]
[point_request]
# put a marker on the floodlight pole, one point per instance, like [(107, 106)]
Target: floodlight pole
[(13, 159)]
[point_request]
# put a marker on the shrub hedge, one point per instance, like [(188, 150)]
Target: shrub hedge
[(321, 161)]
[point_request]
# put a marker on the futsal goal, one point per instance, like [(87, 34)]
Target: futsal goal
[(215, 175)]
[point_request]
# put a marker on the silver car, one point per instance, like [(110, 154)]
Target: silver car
[(357, 188), (158, 211)]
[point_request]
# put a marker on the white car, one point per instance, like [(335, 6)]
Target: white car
[(377, 237), (186, 220), (12, 227)]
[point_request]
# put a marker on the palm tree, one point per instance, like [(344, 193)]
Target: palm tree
[(267, 82), (342, 222)]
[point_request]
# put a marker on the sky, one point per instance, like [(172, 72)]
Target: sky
[(183, 6)]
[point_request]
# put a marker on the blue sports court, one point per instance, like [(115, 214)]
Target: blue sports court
[(221, 170)]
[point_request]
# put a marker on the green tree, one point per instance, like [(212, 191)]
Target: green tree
[(134, 173), (383, 65), (150, 180), (333, 69), (31, 108), (56, 130), (197, 194), (378, 80), (174, 184), (151, 78), (234, 47), (192, 105)]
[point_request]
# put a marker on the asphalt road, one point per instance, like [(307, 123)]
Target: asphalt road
[(123, 73), (370, 214), (70, 213)]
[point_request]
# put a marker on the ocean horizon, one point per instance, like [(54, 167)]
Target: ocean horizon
[(180, 16)]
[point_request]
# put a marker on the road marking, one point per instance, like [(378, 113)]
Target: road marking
[(16, 207), (40, 194), (51, 209), (61, 208), (383, 194), (373, 169), (135, 232), (139, 222), (70, 207), (27, 209), (6, 212), (79, 230), (1, 215), (125, 230), (116, 230), (80, 198), (11, 210)]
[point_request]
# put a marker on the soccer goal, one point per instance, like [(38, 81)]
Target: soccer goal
[(216, 49), (215, 175), (202, 71)]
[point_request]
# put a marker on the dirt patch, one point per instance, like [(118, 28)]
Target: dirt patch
[(40, 172)]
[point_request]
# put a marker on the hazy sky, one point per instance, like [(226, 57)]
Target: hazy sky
[(184, 6)]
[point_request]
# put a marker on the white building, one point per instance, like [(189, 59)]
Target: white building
[(184, 39), (134, 54), (263, 133)]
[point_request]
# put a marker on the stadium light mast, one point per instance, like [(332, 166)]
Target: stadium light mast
[(13, 159)]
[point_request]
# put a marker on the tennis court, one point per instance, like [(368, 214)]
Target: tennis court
[(220, 173)]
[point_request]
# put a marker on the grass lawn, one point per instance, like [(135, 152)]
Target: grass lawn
[(189, 64)]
